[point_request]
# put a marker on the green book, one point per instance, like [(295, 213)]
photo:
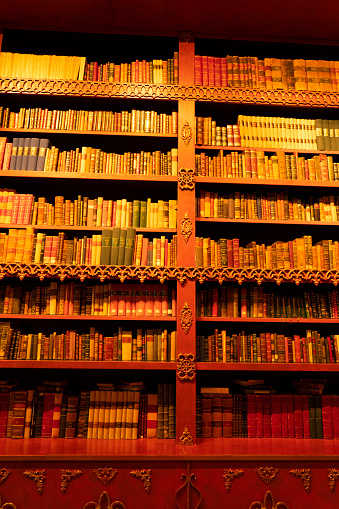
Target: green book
[(115, 245), (319, 134), (136, 214), (143, 214), (106, 247), (122, 245), (129, 246)]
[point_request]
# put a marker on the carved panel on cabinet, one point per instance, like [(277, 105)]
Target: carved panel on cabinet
[(186, 366), (189, 487), (104, 503), (105, 475), (305, 475), (186, 318), (267, 474), (230, 474), (186, 437), (333, 475), (4, 473), (186, 133), (38, 476), (268, 503), (145, 476), (186, 227), (186, 178), (66, 476)]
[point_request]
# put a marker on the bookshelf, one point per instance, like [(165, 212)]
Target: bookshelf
[(208, 460)]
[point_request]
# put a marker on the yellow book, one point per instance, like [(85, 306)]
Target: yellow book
[(107, 414), (129, 414), (99, 210), (112, 415), (126, 346), (135, 417), (101, 417), (118, 419), (91, 414), (96, 414)]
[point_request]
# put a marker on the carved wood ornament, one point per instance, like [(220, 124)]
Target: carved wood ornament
[(186, 366), (4, 473), (189, 485), (105, 475), (267, 474), (186, 318), (230, 474), (333, 475), (145, 476), (186, 133), (7, 505), (266, 504), (66, 476), (107, 504), (186, 438), (186, 178), (305, 475), (186, 227), (38, 476)]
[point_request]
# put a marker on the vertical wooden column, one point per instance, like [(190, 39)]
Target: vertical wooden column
[(186, 330), (1, 36)]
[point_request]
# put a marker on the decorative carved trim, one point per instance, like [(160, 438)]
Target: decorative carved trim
[(230, 474), (186, 36), (272, 504), (186, 317), (267, 474), (186, 227), (186, 133), (105, 475), (114, 505), (38, 476), (7, 505), (66, 476), (186, 366), (186, 179), (4, 473), (305, 475), (189, 484), (145, 476), (333, 475), (186, 437), (169, 92)]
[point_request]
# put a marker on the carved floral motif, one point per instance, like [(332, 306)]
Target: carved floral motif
[(4, 473), (230, 474), (38, 476), (145, 476), (186, 133), (305, 475), (186, 366), (268, 505), (186, 179), (106, 505), (333, 475), (66, 476), (105, 475), (186, 227), (186, 437), (186, 317), (267, 474)]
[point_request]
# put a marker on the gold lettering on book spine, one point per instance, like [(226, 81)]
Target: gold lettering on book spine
[(106, 505), (333, 475), (186, 178), (305, 475), (230, 474), (145, 476), (186, 366), (66, 476), (186, 133), (186, 227), (267, 474), (268, 505), (38, 476), (105, 475), (186, 318)]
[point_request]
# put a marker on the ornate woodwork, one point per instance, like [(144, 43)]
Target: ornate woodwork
[(333, 475), (7, 505), (4, 473), (107, 504), (66, 476), (230, 474), (267, 474), (145, 476), (186, 437), (105, 475), (268, 503), (186, 318), (186, 366), (186, 179), (305, 475), (186, 133), (186, 227), (189, 485), (38, 476)]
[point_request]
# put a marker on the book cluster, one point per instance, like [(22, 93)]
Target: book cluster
[(26, 209), (72, 299), (111, 411), (139, 71), (256, 302), (262, 414), (135, 121), (268, 347), (254, 163), (123, 345), (270, 206), (267, 73), (121, 247), (295, 254), (37, 154)]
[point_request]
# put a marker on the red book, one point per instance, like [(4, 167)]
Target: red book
[(298, 416), (217, 422), (276, 415), (19, 411), (251, 416), (217, 71), (306, 416), (198, 69), (27, 209), (144, 251), (230, 259), (259, 415), (215, 302), (335, 415), (113, 299), (206, 417), (290, 416), (157, 295), (284, 418), (223, 66), (129, 298), (4, 413), (327, 417), (47, 416), (7, 156), (71, 298), (266, 411), (204, 65), (121, 300), (236, 260), (268, 347), (150, 300), (140, 303), (227, 416), (15, 208), (211, 69)]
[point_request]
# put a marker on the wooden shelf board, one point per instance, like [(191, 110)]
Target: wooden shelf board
[(228, 148), (233, 449), (84, 228), (265, 221), (88, 318), (265, 320), (274, 366), (87, 176), (81, 133), (266, 182), (116, 365)]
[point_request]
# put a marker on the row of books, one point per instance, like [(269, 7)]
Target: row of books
[(268, 347), (295, 254), (255, 302), (105, 413), (25, 246), (208, 133), (268, 73), (253, 163), (71, 299), (37, 154), (123, 345), (139, 71), (135, 121), (26, 209), (18, 65), (300, 416), (272, 206)]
